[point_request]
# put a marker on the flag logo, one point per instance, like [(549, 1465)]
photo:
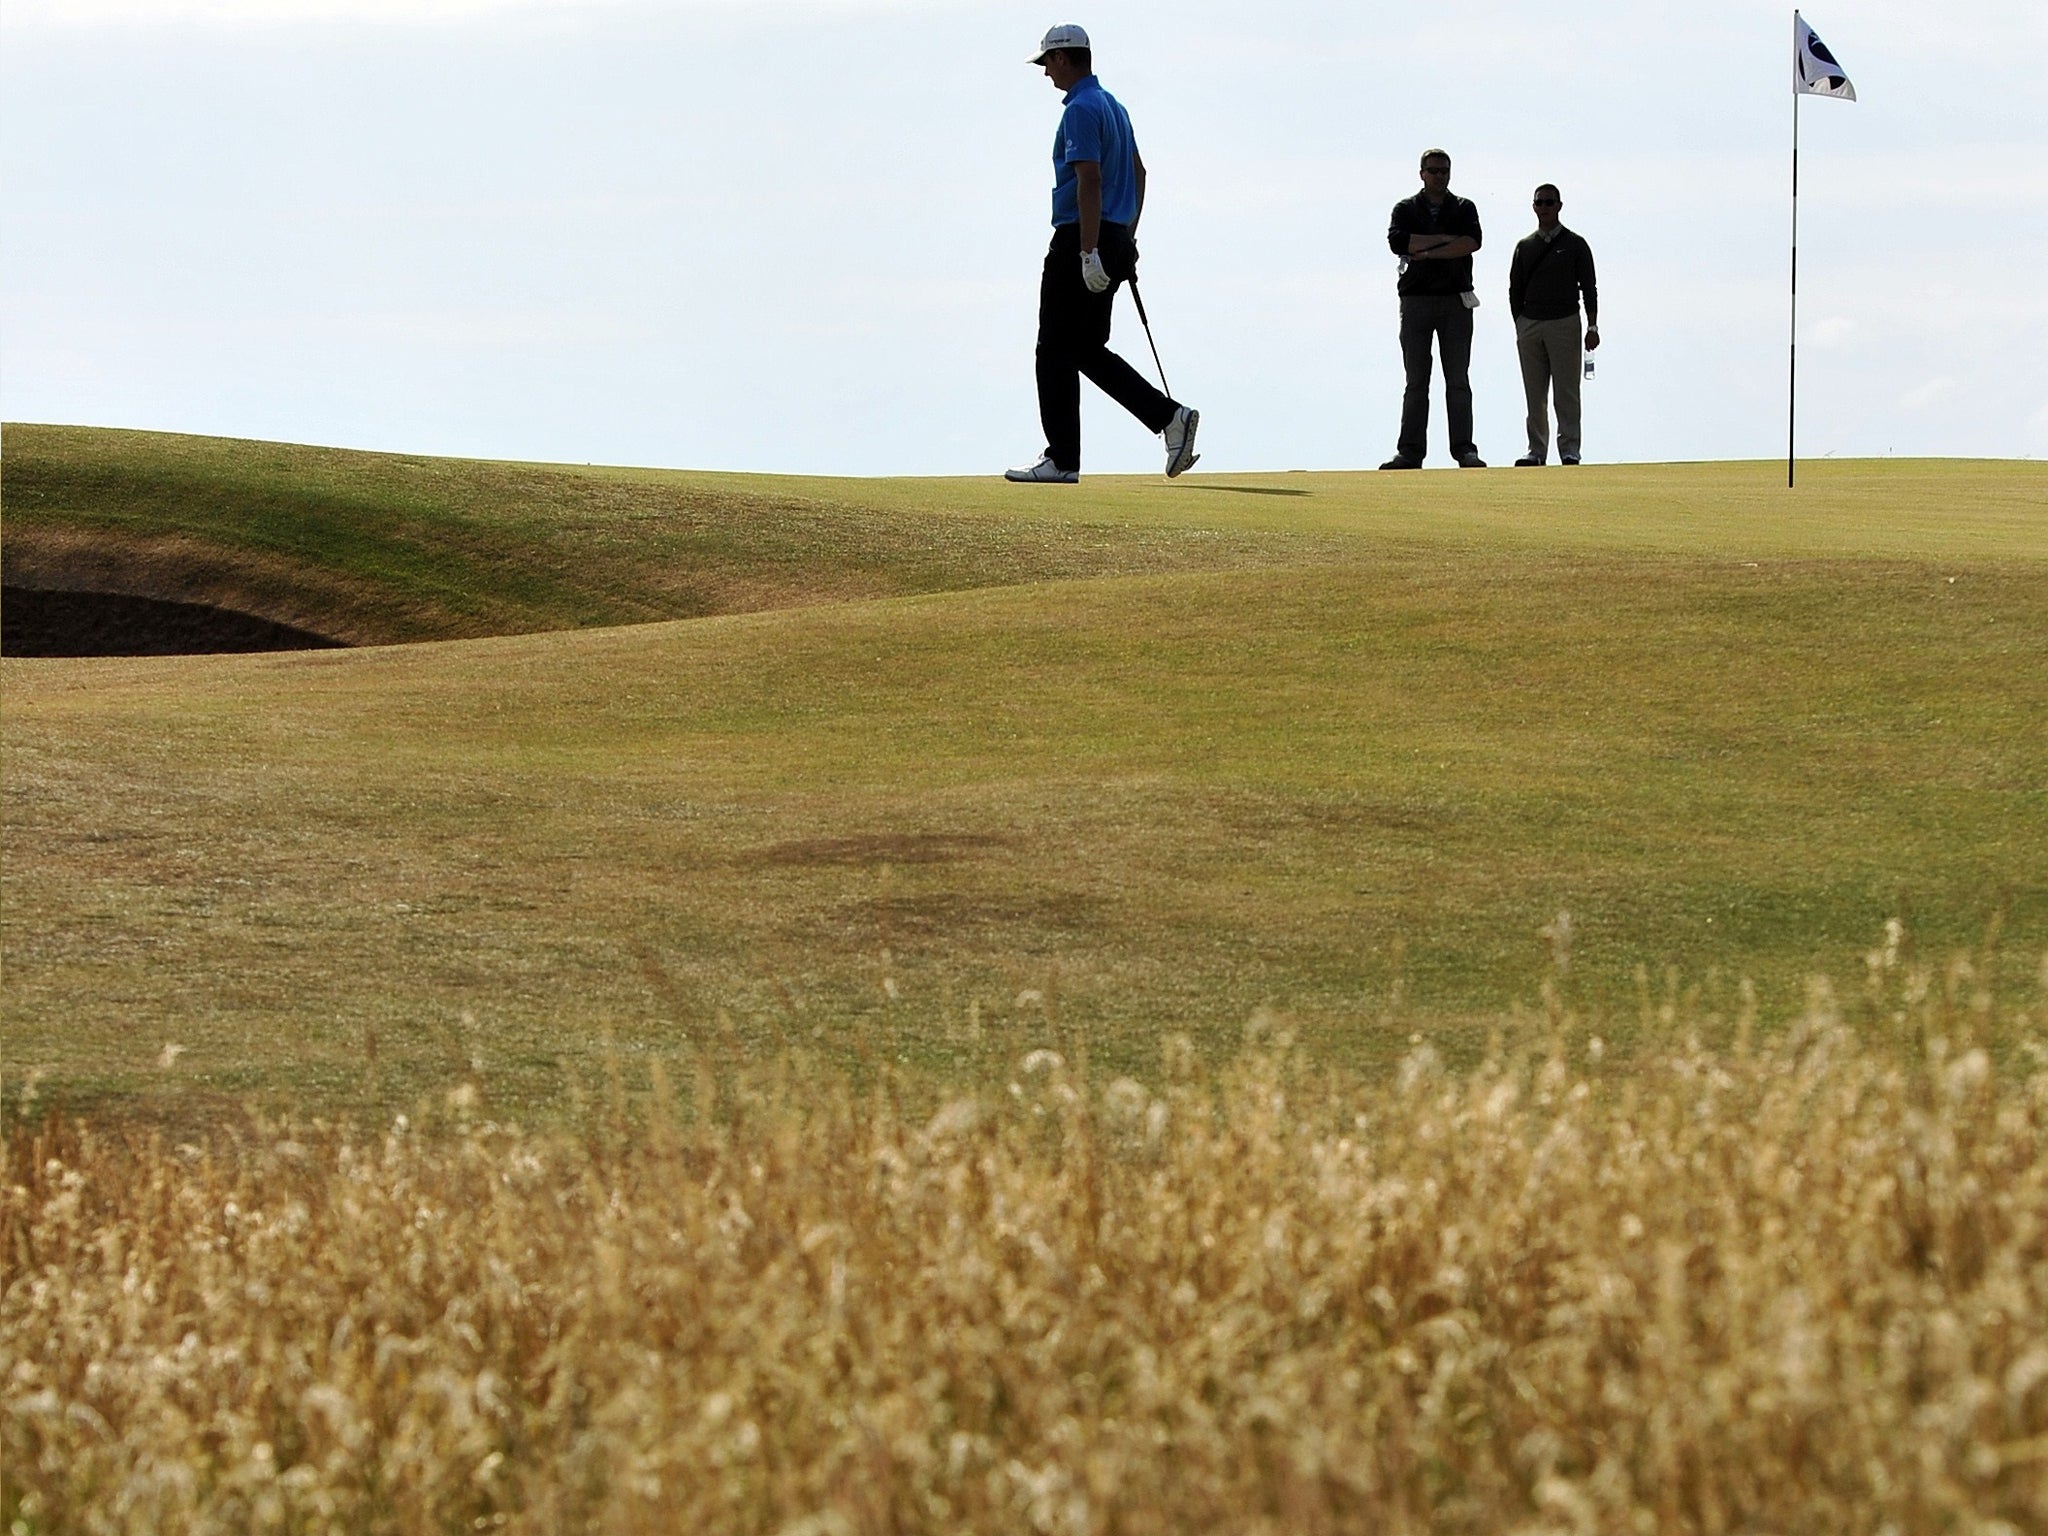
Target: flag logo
[(1814, 70)]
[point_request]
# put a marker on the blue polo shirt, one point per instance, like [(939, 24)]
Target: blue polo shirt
[(1095, 127)]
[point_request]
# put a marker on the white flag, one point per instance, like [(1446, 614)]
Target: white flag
[(1814, 70)]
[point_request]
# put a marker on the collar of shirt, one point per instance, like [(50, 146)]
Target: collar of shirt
[(1085, 83)]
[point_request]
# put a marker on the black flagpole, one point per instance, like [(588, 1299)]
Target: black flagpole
[(1792, 381)]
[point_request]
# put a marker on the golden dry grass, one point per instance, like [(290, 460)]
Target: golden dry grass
[(1789, 1286)]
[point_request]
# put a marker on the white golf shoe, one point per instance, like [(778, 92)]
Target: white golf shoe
[(1044, 472), (1180, 441)]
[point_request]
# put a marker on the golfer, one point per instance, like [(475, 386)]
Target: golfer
[(1098, 192)]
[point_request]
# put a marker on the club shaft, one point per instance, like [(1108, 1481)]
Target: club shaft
[(1164, 388)]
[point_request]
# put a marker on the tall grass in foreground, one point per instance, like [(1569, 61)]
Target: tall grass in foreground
[(1793, 1286)]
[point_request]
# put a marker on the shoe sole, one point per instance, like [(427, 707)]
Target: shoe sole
[(1184, 458)]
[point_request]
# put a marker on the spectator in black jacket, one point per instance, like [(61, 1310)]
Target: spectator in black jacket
[(1435, 233), (1551, 273)]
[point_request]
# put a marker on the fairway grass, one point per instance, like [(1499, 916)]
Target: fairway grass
[(953, 769)]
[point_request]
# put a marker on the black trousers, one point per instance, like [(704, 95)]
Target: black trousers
[(1073, 341), (1446, 319)]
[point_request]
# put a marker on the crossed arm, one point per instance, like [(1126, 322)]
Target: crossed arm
[(1440, 247), (1432, 245)]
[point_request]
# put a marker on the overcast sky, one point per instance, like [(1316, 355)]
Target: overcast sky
[(770, 235)]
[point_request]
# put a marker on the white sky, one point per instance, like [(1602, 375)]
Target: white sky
[(770, 235)]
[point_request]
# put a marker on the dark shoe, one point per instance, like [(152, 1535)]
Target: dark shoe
[(1567, 459), (1471, 461), (1533, 461), (1397, 462)]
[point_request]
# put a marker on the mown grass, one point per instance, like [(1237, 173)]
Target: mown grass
[(1308, 766), (1744, 1282)]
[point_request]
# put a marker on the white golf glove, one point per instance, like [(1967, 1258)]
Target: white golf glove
[(1092, 272)]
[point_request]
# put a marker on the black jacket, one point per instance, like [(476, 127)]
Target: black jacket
[(1547, 277), (1417, 215)]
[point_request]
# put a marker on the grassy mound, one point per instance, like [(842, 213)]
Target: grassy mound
[(374, 548)]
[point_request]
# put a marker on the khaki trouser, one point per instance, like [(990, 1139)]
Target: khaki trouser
[(1550, 351)]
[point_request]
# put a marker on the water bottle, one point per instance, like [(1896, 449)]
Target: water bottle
[(1589, 365)]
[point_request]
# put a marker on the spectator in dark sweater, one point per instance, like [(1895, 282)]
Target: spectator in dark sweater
[(1552, 272), (1435, 233)]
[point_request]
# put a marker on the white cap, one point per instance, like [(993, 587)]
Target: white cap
[(1065, 35)]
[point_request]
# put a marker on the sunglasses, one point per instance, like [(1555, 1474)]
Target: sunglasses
[(1547, 202)]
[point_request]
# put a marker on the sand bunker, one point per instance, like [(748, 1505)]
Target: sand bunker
[(37, 622)]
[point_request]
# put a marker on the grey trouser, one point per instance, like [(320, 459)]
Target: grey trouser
[(1550, 351), (1445, 318)]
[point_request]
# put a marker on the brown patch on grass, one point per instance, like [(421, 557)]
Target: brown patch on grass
[(1058, 909), (1009, 919), (1261, 815), (878, 848)]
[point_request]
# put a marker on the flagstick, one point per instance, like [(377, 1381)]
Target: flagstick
[(1792, 382)]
